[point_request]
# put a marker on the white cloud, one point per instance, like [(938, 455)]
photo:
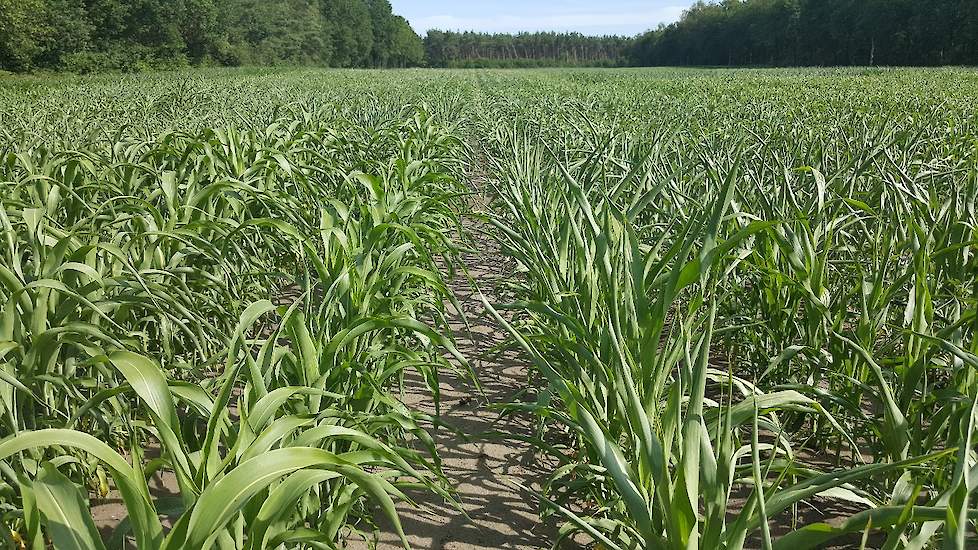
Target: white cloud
[(630, 22)]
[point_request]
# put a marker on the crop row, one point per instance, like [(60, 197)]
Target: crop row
[(747, 298), (229, 307)]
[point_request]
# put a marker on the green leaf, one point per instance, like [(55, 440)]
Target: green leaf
[(67, 519)]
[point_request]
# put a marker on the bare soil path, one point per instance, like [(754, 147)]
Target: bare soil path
[(501, 514)]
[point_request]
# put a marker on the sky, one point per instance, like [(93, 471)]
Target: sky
[(627, 17)]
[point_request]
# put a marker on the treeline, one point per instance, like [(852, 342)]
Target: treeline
[(816, 32), (528, 49), (94, 35), (745, 33)]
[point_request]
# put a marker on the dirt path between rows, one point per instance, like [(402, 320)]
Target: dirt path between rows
[(501, 515)]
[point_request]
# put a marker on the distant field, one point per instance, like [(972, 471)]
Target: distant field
[(742, 306)]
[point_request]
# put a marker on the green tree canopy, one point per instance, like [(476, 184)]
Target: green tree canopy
[(527, 49), (92, 35), (816, 32)]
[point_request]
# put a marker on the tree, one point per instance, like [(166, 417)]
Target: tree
[(89, 35), (293, 32), (351, 31), (815, 32), (383, 30), (471, 49), (22, 23), (406, 47), (42, 33), (201, 27)]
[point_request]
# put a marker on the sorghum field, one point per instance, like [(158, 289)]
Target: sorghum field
[(743, 305)]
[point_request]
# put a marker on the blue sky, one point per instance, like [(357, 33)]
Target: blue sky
[(585, 16)]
